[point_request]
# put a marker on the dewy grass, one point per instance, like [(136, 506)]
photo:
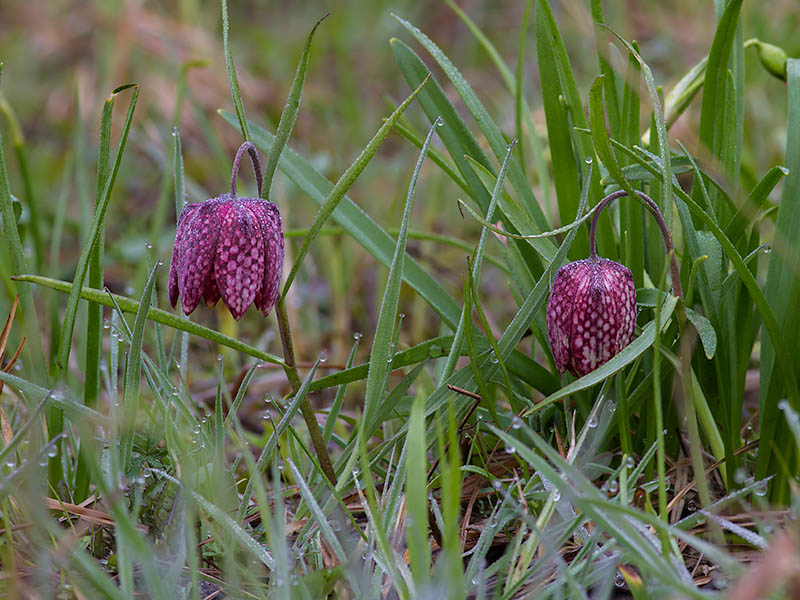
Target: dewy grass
[(463, 448)]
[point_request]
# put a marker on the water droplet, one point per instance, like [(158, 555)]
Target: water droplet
[(613, 487), (160, 263), (11, 464), (401, 316), (323, 358), (106, 324), (357, 335), (588, 160), (268, 399), (493, 358), (511, 450), (516, 422), (592, 422), (619, 580), (665, 432), (604, 488), (739, 476), (497, 485), (440, 123), (767, 249), (611, 406), (691, 506), (51, 453), (629, 462), (556, 496), (761, 489), (148, 245), (219, 357), (335, 525), (259, 364)]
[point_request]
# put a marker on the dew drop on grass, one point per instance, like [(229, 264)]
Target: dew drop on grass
[(613, 487), (106, 324), (148, 245), (588, 160), (619, 580), (357, 335), (516, 422), (219, 357), (629, 462), (592, 422), (556, 496), (739, 476), (323, 358), (691, 506), (761, 489), (493, 358)]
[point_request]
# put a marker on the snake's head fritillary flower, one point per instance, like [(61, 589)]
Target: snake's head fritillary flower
[(228, 247), (591, 314)]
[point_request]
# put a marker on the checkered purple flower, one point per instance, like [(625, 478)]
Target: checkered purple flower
[(591, 314), (228, 247)]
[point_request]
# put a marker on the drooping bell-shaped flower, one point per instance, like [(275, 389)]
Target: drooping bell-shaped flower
[(591, 314), (228, 247)]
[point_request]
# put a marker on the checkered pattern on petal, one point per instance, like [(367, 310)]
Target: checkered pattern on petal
[(269, 220), (197, 251), (174, 263), (239, 261), (591, 314)]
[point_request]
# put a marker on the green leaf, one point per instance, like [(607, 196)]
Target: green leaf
[(169, 319), (347, 179), (233, 80), (133, 374), (708, 335), (289, 114), (717, 102), (382, 343), (94, 234), (783, 287)]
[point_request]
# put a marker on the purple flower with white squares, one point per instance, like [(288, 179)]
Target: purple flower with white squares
[(591, 314), (228, 247)]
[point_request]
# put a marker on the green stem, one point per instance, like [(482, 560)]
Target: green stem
[(290, 367)]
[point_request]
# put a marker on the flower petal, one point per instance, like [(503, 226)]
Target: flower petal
[(239, 261), (197, 251), (559, 312), (269, 219), (174, 263)]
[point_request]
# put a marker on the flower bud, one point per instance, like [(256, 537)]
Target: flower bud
[(773, 59), (591, 314)]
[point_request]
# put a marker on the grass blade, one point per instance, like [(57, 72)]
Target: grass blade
[(289, 114), (343, 184), (380, 355)]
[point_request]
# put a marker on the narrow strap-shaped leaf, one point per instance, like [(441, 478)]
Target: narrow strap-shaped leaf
[(233, 80), (169, 319), (485, 122), (133, 374), (345, 181), (783, 285), (65, 344), (289, 114), (714, 107), (380, 355)]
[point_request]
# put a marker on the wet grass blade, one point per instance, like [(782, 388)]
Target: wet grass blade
[(94, 234), (169, 319), (381, 353), (343, 184), (133, 374), (289, 115)]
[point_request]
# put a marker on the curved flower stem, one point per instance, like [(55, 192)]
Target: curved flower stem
[(250, 149), (695, 445), (305, 406)]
